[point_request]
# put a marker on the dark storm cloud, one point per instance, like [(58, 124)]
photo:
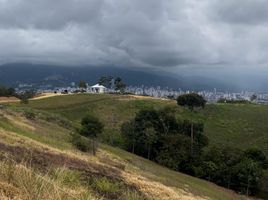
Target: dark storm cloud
[(151, 33), (251, 12), (48, 14)]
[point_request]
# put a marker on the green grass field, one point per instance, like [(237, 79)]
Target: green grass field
[(241, 126)]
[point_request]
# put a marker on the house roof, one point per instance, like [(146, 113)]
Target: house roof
[(98, 86)]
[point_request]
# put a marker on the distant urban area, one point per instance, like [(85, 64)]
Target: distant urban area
[(142, 90)]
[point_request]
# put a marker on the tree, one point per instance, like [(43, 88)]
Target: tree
[(248, 174), (167, 120), (174, 152), (24, 100), (191, 101), (150, 138), (91, 127), (130, 135), (253, 97), (24, 97), (7, 92), (209, 168), (119, 85), (106, 81), (258, 156), (82, 84)]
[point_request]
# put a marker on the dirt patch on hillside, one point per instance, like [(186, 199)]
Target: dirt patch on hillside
[(147, 97), (47, 95), (8, 99)]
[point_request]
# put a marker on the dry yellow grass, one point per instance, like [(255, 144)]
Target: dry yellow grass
[(156, 190), (8, 191)]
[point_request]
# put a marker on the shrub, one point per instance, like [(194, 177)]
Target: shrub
[(29, 115), (80, 142)]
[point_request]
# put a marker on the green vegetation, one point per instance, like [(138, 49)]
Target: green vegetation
[(239, 125), (191, 101), (115, 83), (80, 142), (29, 115), (91, 127), (6, 92), (226, 125), (170, 142), (235, 101), (97, 178)]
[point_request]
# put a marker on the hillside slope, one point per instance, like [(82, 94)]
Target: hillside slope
[(39, 162), (242, 126)]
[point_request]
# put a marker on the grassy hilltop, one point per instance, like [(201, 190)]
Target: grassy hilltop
[(241, 125), (42, 163)]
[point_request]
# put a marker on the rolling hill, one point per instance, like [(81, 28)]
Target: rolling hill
[(39, 162), (225, 124)]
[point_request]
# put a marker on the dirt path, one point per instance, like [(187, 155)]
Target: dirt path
[(47, 95), (8, 99), (41, 96)]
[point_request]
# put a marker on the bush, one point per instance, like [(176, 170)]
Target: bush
[(29, 115), (7, 92), (81, 143)]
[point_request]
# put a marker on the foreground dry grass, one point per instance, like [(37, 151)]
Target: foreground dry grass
[(27, 164), (151, 189)]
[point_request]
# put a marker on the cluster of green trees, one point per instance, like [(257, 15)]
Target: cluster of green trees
[(114, 83), (110, 82), (151, 129), (10, 92), (181, 145), (232, 168), (7, 91)]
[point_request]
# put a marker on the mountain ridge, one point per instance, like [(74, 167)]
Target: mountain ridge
[(15, 73)]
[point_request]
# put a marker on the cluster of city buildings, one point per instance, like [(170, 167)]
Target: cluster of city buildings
[(211, 96)]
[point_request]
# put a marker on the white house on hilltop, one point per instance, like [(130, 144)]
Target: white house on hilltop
[(98, 88)]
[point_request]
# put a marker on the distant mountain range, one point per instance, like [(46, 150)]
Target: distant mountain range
[(14, 74)]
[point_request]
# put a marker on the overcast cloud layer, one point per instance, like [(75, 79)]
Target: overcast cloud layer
[(141, 33)]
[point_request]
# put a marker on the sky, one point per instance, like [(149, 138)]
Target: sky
[(172, 35)]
